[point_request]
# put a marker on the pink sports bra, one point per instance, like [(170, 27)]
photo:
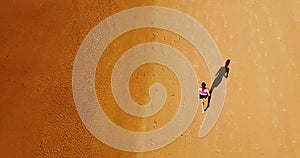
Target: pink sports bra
[(202, 91)]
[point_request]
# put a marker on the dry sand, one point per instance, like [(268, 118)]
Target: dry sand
[(39, 40)]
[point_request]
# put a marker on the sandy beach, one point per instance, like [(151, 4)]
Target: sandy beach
[(39, 41)]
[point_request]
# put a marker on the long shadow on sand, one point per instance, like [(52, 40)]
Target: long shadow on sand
[(222, 72)]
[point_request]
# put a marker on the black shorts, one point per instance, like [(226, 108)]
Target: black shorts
[(203, 96)]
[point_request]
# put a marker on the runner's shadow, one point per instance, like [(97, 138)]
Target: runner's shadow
[(222, 72)]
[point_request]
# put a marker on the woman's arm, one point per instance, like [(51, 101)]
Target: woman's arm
[(207, 91)]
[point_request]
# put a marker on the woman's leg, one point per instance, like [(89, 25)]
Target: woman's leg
[(202, 105)]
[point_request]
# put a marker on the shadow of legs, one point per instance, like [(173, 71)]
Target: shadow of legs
[(208, 101)]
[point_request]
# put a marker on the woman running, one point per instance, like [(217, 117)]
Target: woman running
[(203, 94)]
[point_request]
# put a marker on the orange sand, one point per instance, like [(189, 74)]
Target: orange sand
[(39, 40)]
